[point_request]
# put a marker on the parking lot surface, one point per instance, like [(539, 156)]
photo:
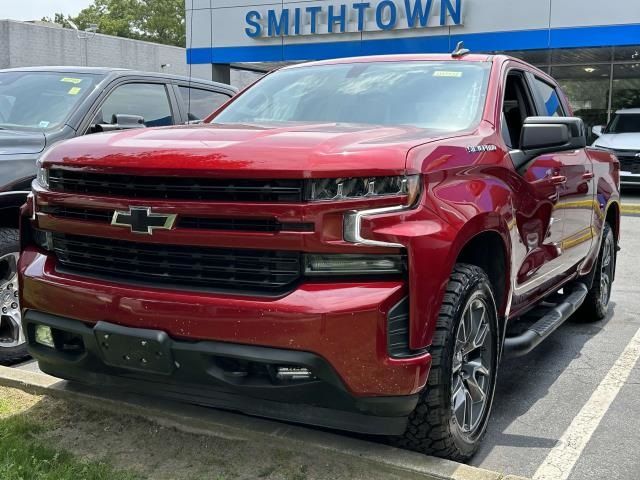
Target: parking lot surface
[(568, 409), (539, 396)]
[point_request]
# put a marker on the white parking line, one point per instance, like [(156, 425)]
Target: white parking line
[(563, 457)]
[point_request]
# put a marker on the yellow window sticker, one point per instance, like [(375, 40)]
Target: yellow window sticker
[(74, 90), (75, 81), (447, 73)]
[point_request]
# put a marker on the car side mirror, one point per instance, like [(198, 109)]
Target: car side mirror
[(542, 135), (120, 121), (597, 130)]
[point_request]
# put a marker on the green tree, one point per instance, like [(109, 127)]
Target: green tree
[(160, 21)]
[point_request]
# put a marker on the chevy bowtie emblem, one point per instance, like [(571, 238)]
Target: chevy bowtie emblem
[(141, 220)]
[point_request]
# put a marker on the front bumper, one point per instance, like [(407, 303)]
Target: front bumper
[(629, 179), (224, 375), (342, 324)]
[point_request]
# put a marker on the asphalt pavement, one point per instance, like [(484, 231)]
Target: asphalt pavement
[(543, 399), (539, 396)]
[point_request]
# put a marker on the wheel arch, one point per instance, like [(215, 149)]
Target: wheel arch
[(10, 203), (488, 251), (612, 217)]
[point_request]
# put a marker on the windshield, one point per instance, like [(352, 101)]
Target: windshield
[(40, 100), (435, 95), (625, 123)]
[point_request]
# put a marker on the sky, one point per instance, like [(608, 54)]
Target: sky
[(36, 9)]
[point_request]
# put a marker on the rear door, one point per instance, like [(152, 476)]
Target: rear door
[(577, 193)]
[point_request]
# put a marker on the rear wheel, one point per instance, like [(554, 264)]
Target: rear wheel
[(452, 414), (596, 305), (13, 347)]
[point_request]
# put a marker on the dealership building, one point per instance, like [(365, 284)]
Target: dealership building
[(591, 47)]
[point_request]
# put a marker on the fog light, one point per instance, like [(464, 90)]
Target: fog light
[(44, 336), (351, 264), (294, 373)]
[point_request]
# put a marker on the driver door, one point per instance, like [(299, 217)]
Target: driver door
[(537, 195)]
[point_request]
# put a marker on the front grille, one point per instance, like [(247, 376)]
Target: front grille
[(175, 188), (86, 214), (235, 270), (196, 223), (628, 161)]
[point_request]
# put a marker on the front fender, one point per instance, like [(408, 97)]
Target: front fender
[(451, 213)]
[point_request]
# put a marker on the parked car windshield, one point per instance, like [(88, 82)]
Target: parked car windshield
[(40, 100), (436, 95), (624, 123)]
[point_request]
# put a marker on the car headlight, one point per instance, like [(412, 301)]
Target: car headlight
[(42, 176), (327, 189), (323, 265)]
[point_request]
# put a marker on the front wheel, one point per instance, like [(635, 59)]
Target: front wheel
[(13, 346), (451, 417)]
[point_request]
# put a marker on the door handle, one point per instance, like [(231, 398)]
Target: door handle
[(588, 175), (557, 180)]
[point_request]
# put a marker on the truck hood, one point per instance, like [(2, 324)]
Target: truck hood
[(619, 141), (14, 142), (298, 151)]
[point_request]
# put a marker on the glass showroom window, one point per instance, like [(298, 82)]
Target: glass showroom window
[(587, 87), (626, 86)]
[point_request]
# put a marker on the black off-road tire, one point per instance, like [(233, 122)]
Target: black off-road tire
[(432, 428), (10, 243), (595, 306)]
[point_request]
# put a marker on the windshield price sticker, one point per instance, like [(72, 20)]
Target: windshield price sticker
[(74, 90), (75, 81), (446, 73)]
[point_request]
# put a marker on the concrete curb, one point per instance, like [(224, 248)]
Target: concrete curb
[(221, 424)]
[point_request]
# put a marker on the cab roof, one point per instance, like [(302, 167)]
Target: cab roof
[(411, 57), (112, 73)]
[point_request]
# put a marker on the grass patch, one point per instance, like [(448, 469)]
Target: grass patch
[(24, 457)]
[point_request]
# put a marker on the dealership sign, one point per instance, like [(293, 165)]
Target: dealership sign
[(381, 15)]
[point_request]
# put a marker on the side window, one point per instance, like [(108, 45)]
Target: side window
[(550, 98), (199, 103), (148, 100), (517, 105)]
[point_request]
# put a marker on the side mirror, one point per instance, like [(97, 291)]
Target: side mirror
[(597, 130), (549, 134), (120, 121)]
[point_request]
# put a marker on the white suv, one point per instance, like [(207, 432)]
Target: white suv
[(622, 137)]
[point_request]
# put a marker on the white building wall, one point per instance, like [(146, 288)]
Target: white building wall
[(25, 44)]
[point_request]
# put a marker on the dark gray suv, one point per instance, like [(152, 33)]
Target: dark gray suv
[(43, 105)]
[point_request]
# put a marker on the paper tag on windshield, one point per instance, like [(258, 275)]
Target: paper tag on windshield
[(75, 81), (447, 73), (74, 90), (43, 124)]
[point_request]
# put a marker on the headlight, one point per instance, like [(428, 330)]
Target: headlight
[(327, 189), (42, 177), (322, 265)]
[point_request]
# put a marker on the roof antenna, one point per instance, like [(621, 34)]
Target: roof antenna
[(460, 51)]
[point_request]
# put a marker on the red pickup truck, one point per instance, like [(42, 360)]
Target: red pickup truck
[(352, 243)]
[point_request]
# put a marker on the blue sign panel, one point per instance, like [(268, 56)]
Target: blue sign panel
[(389, 15)]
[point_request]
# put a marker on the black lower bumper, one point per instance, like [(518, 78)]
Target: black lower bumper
[(224, 375)]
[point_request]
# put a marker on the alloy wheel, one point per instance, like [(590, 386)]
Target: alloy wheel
[(606, 271), (471, 366), (11, 333)]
